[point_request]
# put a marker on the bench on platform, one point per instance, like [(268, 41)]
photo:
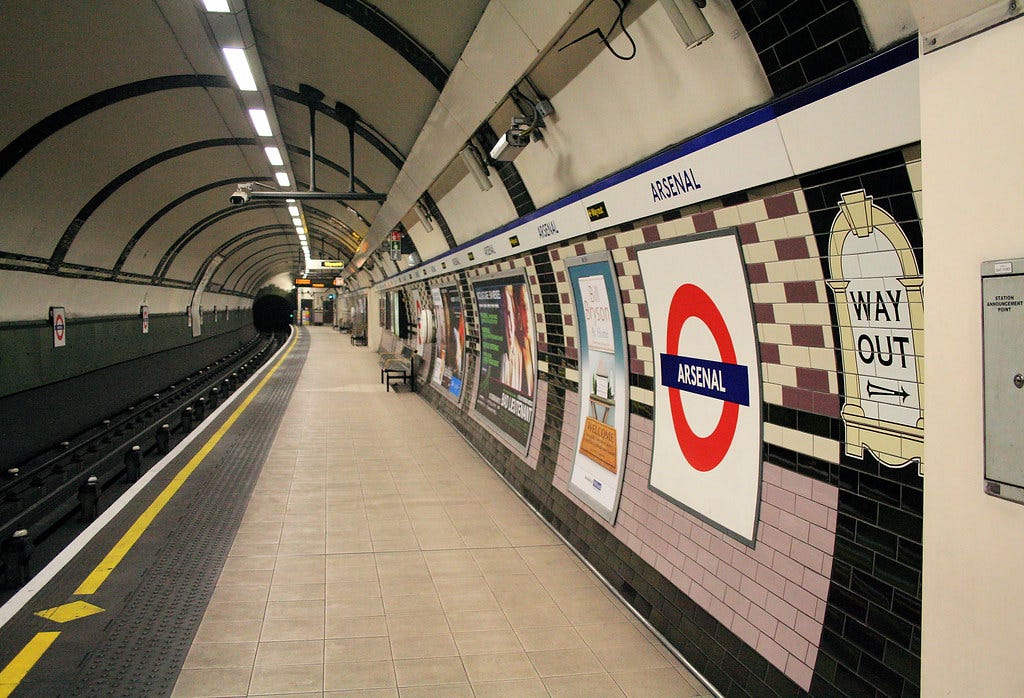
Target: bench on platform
[(399, 368)]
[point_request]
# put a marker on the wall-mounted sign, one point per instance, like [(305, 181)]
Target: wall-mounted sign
[(507, 372), (144, 314), (707, 400), (600, 456), (303, 282), (450, 348), (59, 323), (879, 303)]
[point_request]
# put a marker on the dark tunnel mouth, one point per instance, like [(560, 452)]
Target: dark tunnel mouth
[(271, 313)]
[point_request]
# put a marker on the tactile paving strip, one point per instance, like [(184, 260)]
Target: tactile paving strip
[(176, 565)]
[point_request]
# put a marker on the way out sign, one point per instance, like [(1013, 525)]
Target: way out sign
[(59, 323), (707, 399)]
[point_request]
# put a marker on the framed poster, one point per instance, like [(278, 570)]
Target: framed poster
[(507, 371), (600, 455), (707, 382), (450, 347)]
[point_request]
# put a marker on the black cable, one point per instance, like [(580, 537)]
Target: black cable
[(621, 4)]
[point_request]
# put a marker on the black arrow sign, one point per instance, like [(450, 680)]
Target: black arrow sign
[(875, 391)]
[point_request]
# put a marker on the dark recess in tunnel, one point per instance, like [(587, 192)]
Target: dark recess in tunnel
[(272, 313)]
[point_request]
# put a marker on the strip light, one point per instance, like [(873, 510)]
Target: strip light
[(297, 222), (216, 5), (282, 178), (260, 122), (274, 155), (294, 211), (239, 66)]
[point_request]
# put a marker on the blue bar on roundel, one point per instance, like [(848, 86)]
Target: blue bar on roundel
[(728, 382)]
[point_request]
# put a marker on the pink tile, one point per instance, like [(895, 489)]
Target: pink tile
[(744, 630), (793, 525), (775, 538), (797, 483), (694, 571), (771, 473), (799, 672), (824, 493), (822, 539), (721, 549), (806, 555), (707, 560), (772, 651), (808, 628), (729, 574), (779, 497), (754, 591), (771, 580), (745, 565), (811, 511), (789, 568), (791, 641), (714, 585), (784, 612), (801, 599), (722, 613), (763, 620), (701, 596), (769, 515), (737, 602), (816, 584)]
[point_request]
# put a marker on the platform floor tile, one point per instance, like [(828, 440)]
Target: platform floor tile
[(380, 556)]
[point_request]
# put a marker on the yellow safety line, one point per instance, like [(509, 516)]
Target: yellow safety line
[(132, 535), (18, 667)]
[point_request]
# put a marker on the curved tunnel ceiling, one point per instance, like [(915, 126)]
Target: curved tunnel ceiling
[(123, 132)]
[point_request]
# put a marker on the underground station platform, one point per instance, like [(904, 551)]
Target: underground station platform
[(321, 535)]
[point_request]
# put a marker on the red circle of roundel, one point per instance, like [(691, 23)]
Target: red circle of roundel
[(58, 326), (704, 453)]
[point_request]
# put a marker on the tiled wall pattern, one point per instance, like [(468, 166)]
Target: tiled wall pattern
[(828, 600), (799, 41), (772, 596)]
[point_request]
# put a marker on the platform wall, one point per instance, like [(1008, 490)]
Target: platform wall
[(828, 597)]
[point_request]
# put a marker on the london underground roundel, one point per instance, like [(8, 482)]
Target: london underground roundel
[(707, 402)]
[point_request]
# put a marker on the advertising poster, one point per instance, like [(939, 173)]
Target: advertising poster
[(507, 378), (707, 383), (600, 454), (450, 346)]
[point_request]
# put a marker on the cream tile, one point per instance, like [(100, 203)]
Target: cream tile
[(487, 641), (497, 667), (220, 654), (423, 646), (204, 683), (655, 682), (553, 638), (630, 657), (357, 649), (290, 652), (364, 626), (351, 676), (448, 690), (582, 686), (517, 688), (286, 679), (565, 662), (430, 671)]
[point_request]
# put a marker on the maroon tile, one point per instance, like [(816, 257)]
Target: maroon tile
[(620, 269), (560, 276), (704, 221), (565, 299), (770, 353), (797, 399), (748, 234), (791, 248), (651, 233), (764, 312), (757, 273), (611, 242), (781, 205), (812, 379), (801, 292), (573, 353), (631, 254), (807, 335), (826, 404), (636, 366), (567, 320), (580, 250), (630, 326)]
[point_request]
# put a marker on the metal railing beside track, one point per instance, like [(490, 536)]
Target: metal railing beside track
[(40, 495)]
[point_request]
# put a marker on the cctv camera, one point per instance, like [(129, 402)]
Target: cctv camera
[(241, 195)]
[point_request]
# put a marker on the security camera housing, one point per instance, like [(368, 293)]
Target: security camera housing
[(240, 196), (506, 151)]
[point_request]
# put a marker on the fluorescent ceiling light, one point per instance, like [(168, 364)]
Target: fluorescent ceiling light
[(274, 155), (294, 211), (216, 5), (260, 122), (239, 66), (282, 178), (297, 222), (299, 230)]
